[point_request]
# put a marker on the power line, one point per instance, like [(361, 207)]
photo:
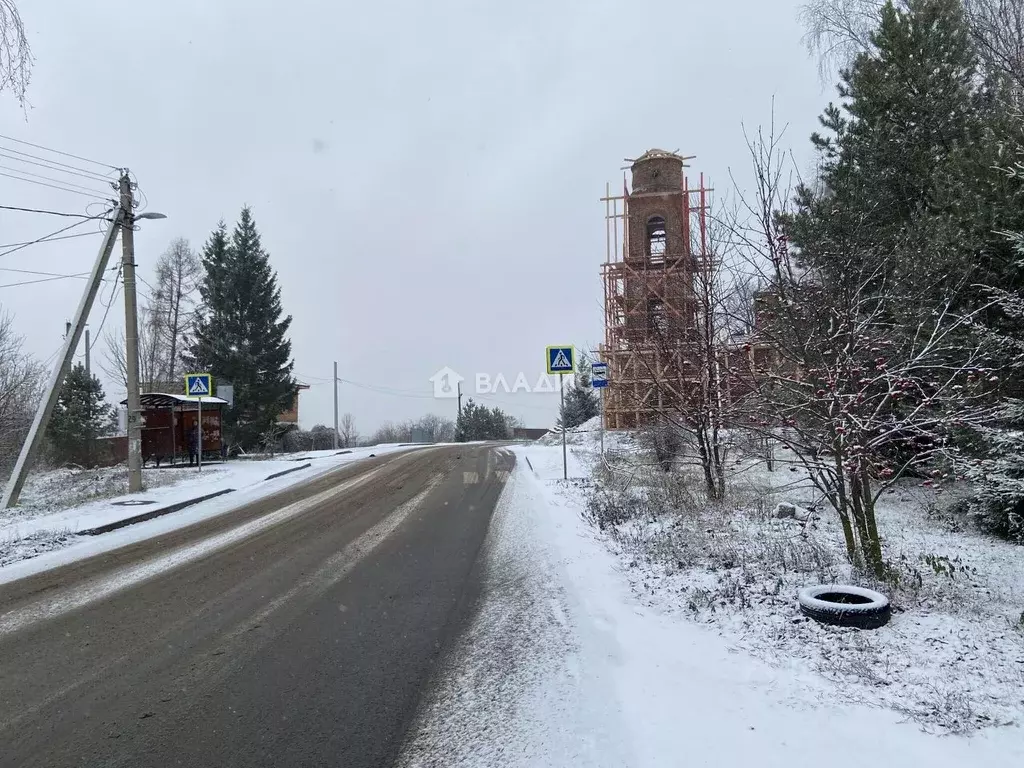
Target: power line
[(52, 165), (70, 186), (113, 296), (385, 391), (54, 186), (50, 213), (146, 283), (35, 272), (507, 404), (43, 280), (45, 238), (50, 359), (58, 152), (51, 239)]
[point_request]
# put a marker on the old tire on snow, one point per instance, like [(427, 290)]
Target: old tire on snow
[(845, 606)]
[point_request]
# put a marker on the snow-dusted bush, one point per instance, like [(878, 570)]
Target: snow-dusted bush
[(1000, 473), (999, 505), (607, 508), (296, 441), (667, 442)]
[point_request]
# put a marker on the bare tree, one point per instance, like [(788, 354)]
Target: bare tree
[(441, 430), (113, 363), (389, 432), (165, 319), (837, 30), (172, 306), (347, 431), (151, 348), (685, 371), (15, 53), (736, 305), (863, 378), (21, 383), (997, 27)]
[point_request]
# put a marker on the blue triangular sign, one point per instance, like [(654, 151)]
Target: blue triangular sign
[(197, 387)]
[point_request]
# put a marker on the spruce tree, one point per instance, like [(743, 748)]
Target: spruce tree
[(215, 289), (241, 335), (581, 403), (80, 415)]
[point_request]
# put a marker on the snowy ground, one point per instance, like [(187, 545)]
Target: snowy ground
[(583, 653), (56, 505), (951, 660)]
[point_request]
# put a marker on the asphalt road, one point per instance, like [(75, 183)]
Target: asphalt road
[(306, 638)]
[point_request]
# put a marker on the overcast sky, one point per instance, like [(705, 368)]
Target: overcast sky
[(425, 175)]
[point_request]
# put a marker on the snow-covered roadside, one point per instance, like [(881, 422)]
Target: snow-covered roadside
[(952, 659), (39, 534), (564, 665)]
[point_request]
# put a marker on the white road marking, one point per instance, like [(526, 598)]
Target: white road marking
[(105, 586)]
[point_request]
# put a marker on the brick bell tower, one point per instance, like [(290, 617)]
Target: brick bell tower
[(650, 311)]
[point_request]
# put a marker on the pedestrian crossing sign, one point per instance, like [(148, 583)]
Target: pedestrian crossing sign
[(560, 359), (198, 385)]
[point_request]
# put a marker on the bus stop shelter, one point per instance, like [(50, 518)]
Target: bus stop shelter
[(166, 421)]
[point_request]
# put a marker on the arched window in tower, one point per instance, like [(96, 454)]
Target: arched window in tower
[(656, 240)]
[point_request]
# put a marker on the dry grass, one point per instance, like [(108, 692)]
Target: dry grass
[(735, 566)]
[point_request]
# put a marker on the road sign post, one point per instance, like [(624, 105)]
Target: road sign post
[(599, 381), (198, 385), (199, 436), (560, 360), (561, 390)]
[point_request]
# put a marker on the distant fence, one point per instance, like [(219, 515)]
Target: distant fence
[(528, 433)]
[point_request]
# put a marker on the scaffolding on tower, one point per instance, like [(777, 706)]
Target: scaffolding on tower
[(656, 243)]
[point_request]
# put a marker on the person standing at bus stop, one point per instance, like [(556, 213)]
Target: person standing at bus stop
[(193, 444)]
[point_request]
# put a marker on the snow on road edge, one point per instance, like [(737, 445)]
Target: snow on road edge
[(564, 666)]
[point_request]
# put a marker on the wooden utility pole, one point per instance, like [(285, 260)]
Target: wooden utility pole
[(131, 336), (459, 385)]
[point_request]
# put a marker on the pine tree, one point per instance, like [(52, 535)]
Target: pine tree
[(911, 198), (241, 335), (80, 414), (478, 422), (908, 122)]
